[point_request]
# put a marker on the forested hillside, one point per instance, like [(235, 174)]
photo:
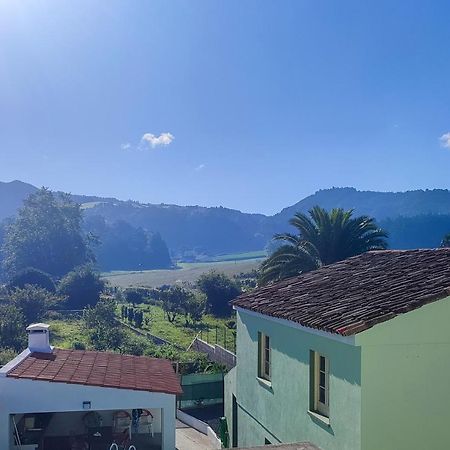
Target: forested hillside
[(136, 235)]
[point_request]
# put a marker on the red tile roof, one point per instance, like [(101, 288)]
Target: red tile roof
[(353, 295), (102, 369)]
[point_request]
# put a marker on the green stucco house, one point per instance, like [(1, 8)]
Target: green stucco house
[(352, 356)]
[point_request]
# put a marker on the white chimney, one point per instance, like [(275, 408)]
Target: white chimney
[(38, 338)]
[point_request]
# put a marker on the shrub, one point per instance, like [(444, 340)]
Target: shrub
[(12, 328), (219, 290), (130, 315), (82, 287), (33, 301), (6, 355), (134, 345), (77, 345), (138, 318), (195, 307), (135, 296), (101, 326), (34, 277), (118, 295), (174, 301)]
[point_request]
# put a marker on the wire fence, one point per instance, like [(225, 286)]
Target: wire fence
[(223, 336)]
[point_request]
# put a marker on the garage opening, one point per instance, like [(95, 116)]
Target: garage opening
[(88, 430)]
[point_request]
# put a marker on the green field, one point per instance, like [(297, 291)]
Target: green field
[(64, 332), (188, 272), (239, 256), (181, 334)]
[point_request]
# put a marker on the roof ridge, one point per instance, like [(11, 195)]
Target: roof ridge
[(354, 294)]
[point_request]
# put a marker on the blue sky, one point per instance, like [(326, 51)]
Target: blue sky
[(246, 104)]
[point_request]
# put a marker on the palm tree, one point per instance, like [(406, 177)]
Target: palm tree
[(323, 238), (446, 241)]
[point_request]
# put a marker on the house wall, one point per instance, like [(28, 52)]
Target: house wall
[(229, 389), (19, 396), (405, 377), (279, 412)]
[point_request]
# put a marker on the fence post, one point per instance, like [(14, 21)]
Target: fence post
[(225, 337), (216, 333)]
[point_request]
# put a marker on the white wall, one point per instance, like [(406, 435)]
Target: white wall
[(200, 426), (21, 396)]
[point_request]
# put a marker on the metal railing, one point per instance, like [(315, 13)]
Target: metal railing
[(223, 336)]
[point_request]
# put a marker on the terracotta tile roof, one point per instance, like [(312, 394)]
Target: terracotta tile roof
[(353, 295), (100, 369)]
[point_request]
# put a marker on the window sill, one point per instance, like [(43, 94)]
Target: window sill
[(265, 383), (320, 417)]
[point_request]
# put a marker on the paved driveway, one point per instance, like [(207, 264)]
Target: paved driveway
[(190, 439)]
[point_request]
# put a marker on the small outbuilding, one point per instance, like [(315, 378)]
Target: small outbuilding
[(57, 399)]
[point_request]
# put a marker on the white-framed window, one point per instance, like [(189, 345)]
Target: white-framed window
[(321, 384), (264, 357)]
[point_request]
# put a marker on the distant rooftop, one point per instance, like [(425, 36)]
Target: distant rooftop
[(353, 295), (102, 369)]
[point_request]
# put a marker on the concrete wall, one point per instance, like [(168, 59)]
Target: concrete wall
[(201, 426), (215, 352), (279, 412), (405, 377), (19, 396)]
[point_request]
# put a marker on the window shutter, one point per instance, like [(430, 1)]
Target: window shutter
[(260, 350)]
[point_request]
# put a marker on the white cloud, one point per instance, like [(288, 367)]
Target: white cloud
[(164, 139), (200, 167), (126, 146), (445, 140)]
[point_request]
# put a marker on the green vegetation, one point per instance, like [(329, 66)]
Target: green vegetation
[(100, 326), (188, 272), (219, 290), (446, 241), (33, 302), (67, 332), (81, 287), (180, 333), (239, 256), (12, 336), (70, 332), (124, 246), (32, 295), (323, 238), (19, 308), (46, 235), (33, 277)]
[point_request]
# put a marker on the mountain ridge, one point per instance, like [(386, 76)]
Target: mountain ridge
[(197, 229)]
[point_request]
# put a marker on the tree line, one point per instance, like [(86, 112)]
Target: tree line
[(49, 233)]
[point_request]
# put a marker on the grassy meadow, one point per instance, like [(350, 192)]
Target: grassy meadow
[(187, 272), (65, 332), (182, 334)]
